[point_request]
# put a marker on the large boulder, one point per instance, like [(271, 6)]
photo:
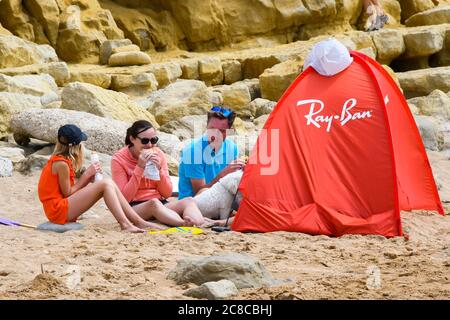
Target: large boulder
[(35, 85), (13, 103), (442, 58), (262, 106), (173, 166), (16, 20), (423, 82), (243, 128), (254, 87), (170, 144), (127, 48), (236, 97), (189, 67), (423, 43), (187, 127), (104, 135), (129, 58), (243, 270), (412, 7), (254, 66), (47, 14), (210, 70), (260, 122), (436, 104), (393, 9), (389, 44), (232, 71), (276, 80), (138, 85), (214, 290), (179, 99), (96, 78), (16, 52), (104, 103), (32, 163), (58, 70), (215, 97), (108, 46), (83, 28), (438, 15), (432, 136), (78, 47), (166, 73), (12, 153)]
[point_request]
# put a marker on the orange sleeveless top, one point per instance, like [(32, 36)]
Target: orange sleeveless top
[(55, 205)]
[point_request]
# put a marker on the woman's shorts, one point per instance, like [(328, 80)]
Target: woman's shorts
[(135, 203)]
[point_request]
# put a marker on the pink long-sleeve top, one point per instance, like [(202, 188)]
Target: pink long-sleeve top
[(134, 186)]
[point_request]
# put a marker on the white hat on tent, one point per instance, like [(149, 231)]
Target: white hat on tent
[(328, 57)]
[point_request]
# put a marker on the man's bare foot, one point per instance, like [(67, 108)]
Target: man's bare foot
[(132, 229)]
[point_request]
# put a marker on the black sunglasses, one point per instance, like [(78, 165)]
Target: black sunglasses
[(152, 140)]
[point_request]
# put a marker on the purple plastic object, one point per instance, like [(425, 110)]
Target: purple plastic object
[(7, 222)]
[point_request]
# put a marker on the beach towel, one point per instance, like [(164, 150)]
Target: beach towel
[(187, 230)]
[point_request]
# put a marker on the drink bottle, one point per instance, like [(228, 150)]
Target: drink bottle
[(95, 159)]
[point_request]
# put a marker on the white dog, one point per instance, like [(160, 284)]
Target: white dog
[(215, 202)]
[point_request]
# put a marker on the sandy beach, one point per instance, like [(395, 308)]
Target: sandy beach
[(116, 265)]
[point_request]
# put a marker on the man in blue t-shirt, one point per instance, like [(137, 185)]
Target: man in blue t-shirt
[(209, 158)]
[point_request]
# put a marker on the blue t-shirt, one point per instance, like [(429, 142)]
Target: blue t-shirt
[(199, 161)]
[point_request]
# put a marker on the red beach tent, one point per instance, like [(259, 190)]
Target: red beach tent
[(338, 155)]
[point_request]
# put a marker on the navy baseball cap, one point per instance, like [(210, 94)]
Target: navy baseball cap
[(72, 134)]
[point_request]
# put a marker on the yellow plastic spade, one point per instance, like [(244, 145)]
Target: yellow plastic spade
[(189, 230)]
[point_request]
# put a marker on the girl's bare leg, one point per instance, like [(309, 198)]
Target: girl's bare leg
[(156, 210), (85, 198)]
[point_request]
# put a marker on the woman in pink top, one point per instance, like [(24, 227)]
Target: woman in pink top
[(148, 197)]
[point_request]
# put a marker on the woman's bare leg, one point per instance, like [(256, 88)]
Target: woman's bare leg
[(85, 198), (131, 214), (189, 211), (156, 210)]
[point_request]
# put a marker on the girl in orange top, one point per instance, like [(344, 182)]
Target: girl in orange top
[(65, 199)]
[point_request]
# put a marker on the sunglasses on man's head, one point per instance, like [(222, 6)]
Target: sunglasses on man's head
[(152, 140), (224, 111)]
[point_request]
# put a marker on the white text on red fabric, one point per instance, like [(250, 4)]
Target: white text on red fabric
[(315, 116)]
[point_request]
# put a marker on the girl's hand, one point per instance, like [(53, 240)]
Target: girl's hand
[(92, 170), (156, 159), (143, 158)]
